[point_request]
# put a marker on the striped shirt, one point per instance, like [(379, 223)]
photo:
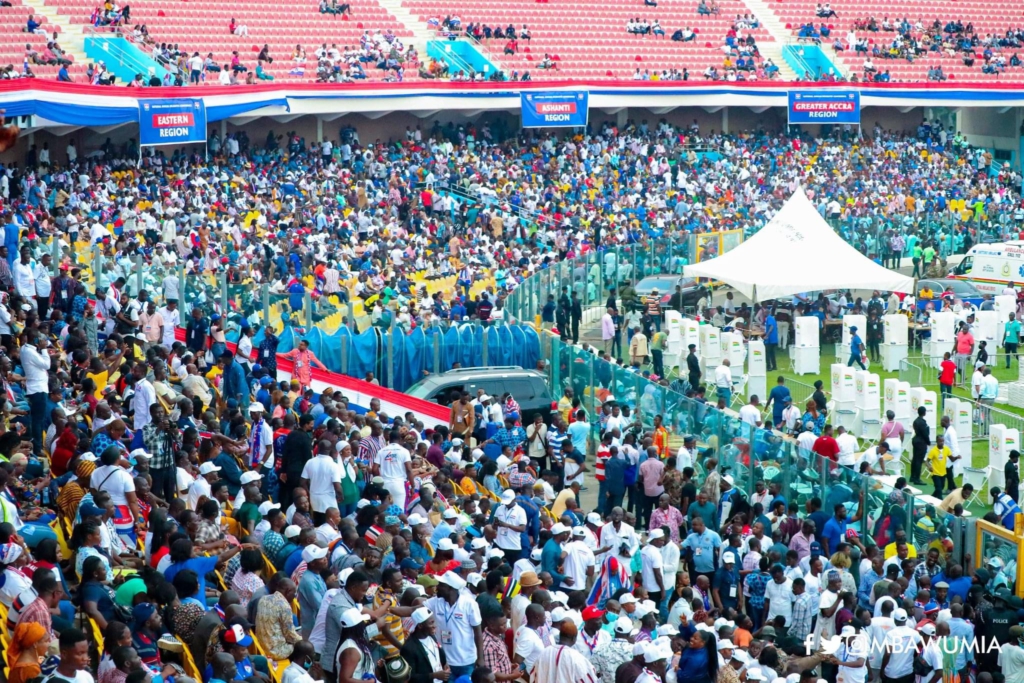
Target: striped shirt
[(368, 448)]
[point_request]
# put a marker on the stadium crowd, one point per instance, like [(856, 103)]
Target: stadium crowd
[(206, 519)]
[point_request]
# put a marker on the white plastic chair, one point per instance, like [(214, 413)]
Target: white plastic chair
[(976, 477)]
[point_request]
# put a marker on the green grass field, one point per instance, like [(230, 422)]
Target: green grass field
[(802, 385)]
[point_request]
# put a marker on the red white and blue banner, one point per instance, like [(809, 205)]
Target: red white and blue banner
[(554, 109), (55, 104), (824, 106), (171, 122)]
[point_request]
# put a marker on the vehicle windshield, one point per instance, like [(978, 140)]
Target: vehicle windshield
[(419, 390), (665, 284), (965, 266)]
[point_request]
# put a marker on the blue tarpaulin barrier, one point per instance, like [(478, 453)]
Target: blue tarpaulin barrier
[(413, 351)]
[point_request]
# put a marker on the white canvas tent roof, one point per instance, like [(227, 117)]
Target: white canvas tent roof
[(797, 252)]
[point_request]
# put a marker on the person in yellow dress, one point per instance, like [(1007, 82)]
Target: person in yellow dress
[(938, 461)]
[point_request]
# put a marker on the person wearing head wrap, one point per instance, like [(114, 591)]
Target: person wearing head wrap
[(72, 493), (28, 645), (146, 632), (13, 580)]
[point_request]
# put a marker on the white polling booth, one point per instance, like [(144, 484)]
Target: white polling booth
[(894, 341), (1001, 440), (806, 351), (757, 370)]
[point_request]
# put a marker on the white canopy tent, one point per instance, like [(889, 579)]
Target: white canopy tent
[(797, 252)]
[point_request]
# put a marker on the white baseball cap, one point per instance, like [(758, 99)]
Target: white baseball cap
[(508, 496), (755, 674), (420, 615), (450, 513), (452, 579), (292, 531), (595, 518), (266, 506), (445, 544), (416, 519), (478, 543), (559, 529), (353, 616), (627, 599), (655, 534), (623, 625), (313, 552), (208, 468), (900, 614), (249, 477)]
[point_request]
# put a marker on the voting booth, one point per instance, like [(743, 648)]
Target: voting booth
[(894, 341), (943, 334), (710, 348), (1001, 440), (675, 347), (805, 352), (757, 370), (987, 328), (1003, 305), (736, 352), (844, 394), (867, 395)]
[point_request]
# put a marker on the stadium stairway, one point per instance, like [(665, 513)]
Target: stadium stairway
[(420, 33), (72, 36), (13, 39)]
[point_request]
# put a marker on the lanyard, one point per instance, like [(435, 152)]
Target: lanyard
[(592, 643)]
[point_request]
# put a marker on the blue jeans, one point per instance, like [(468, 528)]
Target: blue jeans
[(855, 358), (461, 670), (726, 394)]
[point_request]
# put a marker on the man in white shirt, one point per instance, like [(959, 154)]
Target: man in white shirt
[(24, 277), (458, 623), (778, 596), (529, 641), (394, 464), (145, 396), (723, 381), (684, 456), (172, 320), (901, 644), (510, 520), (321, 476), (41, 273), (847, 443), (35, 361), (750, 413), (651, 563), (807, 438), (619, 537), (201, 486), (579, 558)]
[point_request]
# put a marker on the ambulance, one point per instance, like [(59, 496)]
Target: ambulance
[(991, 267)]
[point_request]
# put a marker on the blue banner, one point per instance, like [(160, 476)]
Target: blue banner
[(554, 109), (838, 106), (171, 122)]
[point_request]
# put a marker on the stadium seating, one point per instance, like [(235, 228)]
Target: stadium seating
[(203, 25), (987, 17), (588, 39), (13, 40)]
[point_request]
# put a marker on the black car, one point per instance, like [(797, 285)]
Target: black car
[(692, 290), (528, 387)]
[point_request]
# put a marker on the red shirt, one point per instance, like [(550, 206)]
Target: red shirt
[(947, 373), (826, 447)]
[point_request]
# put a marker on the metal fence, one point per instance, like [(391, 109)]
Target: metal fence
[(911, 372)]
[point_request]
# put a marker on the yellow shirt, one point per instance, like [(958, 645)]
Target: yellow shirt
[(100, 378), (890, 550), (558, 507), (937, 460)]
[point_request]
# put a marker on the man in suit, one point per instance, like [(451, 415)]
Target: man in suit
[(421, 650)]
